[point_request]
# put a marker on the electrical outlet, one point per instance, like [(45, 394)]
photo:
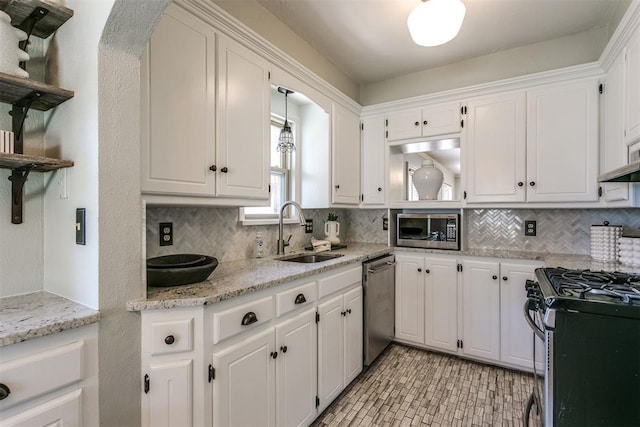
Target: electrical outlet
[(385, 224), (166, 233), (308, 227), (529, 228), (81, 232)]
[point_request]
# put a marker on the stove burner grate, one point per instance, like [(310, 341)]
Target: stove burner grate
[(583, 284)]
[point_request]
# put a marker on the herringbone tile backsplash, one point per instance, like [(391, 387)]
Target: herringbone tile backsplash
[(564, 231), (217, 231)]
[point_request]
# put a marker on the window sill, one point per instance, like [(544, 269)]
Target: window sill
[(268, 221)]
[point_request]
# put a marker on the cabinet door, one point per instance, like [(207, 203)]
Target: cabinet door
[(613, 150), (61, 411), (632, 73), (330, 351), (441, 303), (170, 397), (373, 155), (441, 119), (296, 370), (244, 388), (346, 156), (404, 124), (410, 298), (516, 336), (481, 309), (244, 114), (178, 107), (352, 334), (495, 144), (562, 142)]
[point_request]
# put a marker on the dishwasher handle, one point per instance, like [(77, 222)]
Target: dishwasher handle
[(387, 266)]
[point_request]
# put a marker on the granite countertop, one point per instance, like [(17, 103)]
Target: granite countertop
[(24, 317), (234, 278)]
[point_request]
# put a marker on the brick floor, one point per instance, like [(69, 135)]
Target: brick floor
[(413, 387)]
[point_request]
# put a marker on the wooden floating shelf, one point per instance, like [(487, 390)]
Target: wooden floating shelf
[(32, 163), (14, 89), (20, 9)]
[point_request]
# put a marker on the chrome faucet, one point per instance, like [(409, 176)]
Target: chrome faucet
[(281, 242)]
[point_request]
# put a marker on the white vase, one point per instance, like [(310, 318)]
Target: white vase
[(332, 230), (10, 53), (427, 180)]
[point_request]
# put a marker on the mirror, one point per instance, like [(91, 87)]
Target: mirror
[(405, 159)]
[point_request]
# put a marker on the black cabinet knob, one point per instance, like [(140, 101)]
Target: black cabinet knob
[(532, 183), (343, 313), (283, 349), (4, 391), (504, 278), (170, 339), (337, 187), (274, 354), (425, 123), (379, 188), (419, 270), (417, 123), (213, 168), (427, 271), (224, 170), (348, 311), (520, 184), (494, 277)]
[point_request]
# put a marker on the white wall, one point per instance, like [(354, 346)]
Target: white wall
[(576, 49), (71, 270)]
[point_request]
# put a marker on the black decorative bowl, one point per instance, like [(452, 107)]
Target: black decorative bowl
[(179, 269)]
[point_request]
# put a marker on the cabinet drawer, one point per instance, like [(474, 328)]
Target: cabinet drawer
[(334, 283), (65, 410), (241, 318), (300, 296), (42, 372), (171, 336)]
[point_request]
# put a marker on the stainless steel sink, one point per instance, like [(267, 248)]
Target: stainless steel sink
[(311, 258)]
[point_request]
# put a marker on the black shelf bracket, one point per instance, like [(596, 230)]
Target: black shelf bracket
[(27, 25), (18, 178), (18, 115)]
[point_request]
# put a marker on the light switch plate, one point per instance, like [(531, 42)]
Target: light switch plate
[(81, 225)]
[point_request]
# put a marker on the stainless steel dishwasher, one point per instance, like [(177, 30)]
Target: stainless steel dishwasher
[(379, 283)]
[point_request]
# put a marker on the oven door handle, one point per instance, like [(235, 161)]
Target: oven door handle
[(536, 329)]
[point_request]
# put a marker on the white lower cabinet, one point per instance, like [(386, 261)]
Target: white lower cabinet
[(472, 306), (339, 344), (276, 357), (51, 381)]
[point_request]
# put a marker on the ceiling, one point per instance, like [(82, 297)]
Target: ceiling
[(369, 41)]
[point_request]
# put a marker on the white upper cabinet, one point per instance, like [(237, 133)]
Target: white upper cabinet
[(205, 114), (613, 153), (345, 156), (373, 161), (562, 142), (433, 120), (494, 148), (244, 114), (632, 76), (178, 107)]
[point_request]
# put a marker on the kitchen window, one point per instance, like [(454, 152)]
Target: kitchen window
[(281, 173)]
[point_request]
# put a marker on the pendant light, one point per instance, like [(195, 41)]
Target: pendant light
[(285, 141), (435, 22)]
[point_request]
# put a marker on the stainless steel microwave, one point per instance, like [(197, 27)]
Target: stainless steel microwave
[(424, 230)]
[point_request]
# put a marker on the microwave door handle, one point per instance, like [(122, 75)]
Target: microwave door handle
[(536, 329)]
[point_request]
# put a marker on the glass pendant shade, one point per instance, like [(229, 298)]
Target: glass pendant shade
[(285, 140), (435, 22)]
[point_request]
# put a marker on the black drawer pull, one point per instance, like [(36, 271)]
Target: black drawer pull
[(249, 318), (170, 339), (300, 299), (4, 391)]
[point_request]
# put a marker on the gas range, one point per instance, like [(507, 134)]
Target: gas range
[(586, 291), (587, 319)]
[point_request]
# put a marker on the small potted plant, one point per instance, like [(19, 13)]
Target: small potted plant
[(332, 228)]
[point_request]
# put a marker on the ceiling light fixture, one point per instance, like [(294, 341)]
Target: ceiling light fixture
[(285, 141), (435, 22)]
